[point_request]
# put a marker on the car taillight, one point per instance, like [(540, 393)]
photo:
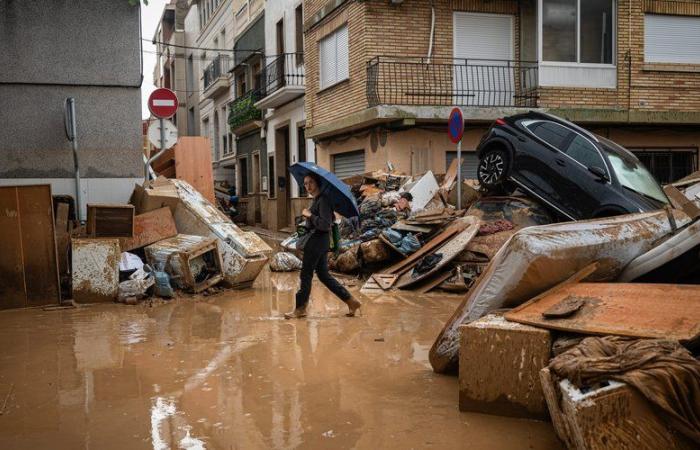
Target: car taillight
[(500, 122)]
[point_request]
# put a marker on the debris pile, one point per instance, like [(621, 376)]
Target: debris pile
[(169, 237)]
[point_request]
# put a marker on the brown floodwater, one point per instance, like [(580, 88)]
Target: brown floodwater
[(227, 372)]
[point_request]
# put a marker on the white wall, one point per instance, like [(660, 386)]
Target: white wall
[(274, 11)]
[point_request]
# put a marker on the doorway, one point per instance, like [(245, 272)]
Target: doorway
[(282, 177), (256, 186)]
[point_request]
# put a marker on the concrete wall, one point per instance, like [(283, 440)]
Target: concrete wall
[(53, 50)]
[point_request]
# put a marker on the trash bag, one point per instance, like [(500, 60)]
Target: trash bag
[(348, 262), (409, 244), (129, 261), (426, 264), (137, 285), (393, 236), (162, 283), (284, 262)]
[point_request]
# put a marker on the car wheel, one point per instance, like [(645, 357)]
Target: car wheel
[(493, 168)]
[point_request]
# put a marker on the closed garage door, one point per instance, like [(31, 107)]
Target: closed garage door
[(469, 163), (482, 44), (349, 164)]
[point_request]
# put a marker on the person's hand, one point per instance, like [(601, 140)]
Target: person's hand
[(306, 213)]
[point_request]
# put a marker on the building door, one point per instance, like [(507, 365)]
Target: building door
[(483, 51), (282, 177), (256, 185)]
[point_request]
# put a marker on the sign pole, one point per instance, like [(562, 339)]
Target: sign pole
[(459, 175)]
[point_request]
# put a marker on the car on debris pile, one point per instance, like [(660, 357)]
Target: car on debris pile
[(577, 173)]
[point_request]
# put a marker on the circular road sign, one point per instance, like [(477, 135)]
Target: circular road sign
[(162, 103), (455, 125), (170, 133)]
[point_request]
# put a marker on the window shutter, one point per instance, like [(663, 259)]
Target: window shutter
[(328, 64), (671, 39), (343, 52)]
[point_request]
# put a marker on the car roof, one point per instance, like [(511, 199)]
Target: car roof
[(617, 149), (546, 116)]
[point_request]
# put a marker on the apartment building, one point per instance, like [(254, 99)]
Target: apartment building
[(383, 75), (244, 119), (281, 98), (170, 71)]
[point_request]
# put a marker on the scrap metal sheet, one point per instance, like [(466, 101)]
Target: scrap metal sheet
[(668, 311)]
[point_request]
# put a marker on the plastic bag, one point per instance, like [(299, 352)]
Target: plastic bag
[(284, 262), (129, 261), (162, 282)]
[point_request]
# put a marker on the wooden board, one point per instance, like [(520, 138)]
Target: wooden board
[(680, 201), (110, 220), (401, 226), (435, 282), (449, 251), (28, 263), (150, 227), (193, 164), (389, 244), (667, 311)]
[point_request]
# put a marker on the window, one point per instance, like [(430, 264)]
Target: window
[(550, 132), (243, 163), (579, 31), (271, 176), (190, 122), (241, 84), (349, 164), (230, 143), (635, 176), (583, 151), (334, 57), (668, 164), (671, 39), (299, 33)]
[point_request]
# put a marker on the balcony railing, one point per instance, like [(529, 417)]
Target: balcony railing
[(282, 71), (217, 68), (242, 110), (445, 81)]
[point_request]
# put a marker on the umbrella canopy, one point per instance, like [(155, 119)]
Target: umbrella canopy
[(337, 192)]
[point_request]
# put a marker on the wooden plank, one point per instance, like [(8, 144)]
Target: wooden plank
[(450, 231), (402, 226), (385, 281), (110, 220), (667, 311), (449, 251), (38, 245), (451, 175), (12, 291), (435, 282), (680, 201), (193, 164), (150, 227)]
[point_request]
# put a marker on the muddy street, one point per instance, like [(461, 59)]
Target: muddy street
[(227, 372)]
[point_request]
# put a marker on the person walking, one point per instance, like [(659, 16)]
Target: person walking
[(319, 219)]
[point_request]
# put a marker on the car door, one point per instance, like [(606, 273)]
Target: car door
[(587, 189), (541, 164)]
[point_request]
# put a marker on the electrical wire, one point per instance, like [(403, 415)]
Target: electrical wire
[(189, 47)]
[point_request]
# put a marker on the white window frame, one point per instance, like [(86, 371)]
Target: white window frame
[(540, 35), (338, 77)]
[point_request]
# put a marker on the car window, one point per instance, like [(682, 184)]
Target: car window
[(635, 176), (550, 132), (584, 152)]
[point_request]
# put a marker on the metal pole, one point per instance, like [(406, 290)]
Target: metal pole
[(161, 151), (76, 163), (459, 175)]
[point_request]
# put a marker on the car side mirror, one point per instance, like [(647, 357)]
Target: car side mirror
[(600, 173)]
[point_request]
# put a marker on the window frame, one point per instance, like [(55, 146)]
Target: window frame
[(336, 80), (577, 63)]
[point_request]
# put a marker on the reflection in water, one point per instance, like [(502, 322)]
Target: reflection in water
[(227, 372)]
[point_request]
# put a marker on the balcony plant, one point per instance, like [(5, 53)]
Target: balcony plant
[(242, 111)]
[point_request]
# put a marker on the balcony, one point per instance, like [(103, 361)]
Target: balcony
[(420, 81), (216, 80), (243, 115), (282, 80)]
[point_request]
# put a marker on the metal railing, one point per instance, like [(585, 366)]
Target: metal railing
[(242, 110), (283, 70), (217, 68), (447, 81)]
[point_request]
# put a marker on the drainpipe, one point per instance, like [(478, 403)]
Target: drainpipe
[(432, 30), (71, 133)]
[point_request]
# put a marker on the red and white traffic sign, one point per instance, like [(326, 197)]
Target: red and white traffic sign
[(162, 103)]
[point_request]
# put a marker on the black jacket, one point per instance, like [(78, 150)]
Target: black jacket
[(321, 214)]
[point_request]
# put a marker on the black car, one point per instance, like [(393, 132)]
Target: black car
[(577, 173)]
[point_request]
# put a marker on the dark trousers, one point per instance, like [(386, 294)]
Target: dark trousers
[(316, 259)]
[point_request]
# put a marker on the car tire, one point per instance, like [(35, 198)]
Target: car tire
[(494, 168)]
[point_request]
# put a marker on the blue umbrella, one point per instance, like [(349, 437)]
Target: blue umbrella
[(337, 192)]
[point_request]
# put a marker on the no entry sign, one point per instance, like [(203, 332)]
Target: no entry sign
[(455, 125), (162, 103)]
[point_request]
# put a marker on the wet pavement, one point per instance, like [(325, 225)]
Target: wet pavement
[(227, 372)]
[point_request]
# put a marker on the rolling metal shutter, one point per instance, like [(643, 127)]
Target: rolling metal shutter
[(348, 164), (469, 163), (671, 39)]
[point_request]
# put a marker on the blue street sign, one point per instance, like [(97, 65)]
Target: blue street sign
[(455, 125)]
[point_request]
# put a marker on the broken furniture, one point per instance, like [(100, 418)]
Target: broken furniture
[(537, 258), (95, 275), (193, 262), (499, 366), (189, 160), (110, 221), (669, 311), (28, 263), (150, 227), (612, 415)]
